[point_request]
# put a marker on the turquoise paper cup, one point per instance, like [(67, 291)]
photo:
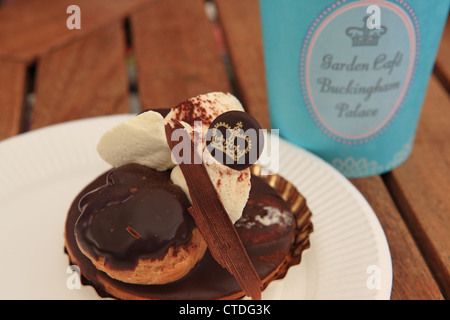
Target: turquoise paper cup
[(346, 79)]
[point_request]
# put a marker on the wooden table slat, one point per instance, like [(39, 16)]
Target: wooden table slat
[(86, 78), (47, 18), (241, 23), (176, 53), (12, 86), (442, 63), (411, 277), (420, 186)]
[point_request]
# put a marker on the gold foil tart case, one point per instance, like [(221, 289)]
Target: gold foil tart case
[(302, 214)]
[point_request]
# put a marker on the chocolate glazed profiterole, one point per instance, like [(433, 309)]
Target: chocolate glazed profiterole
[(266, 229), (136, 227)]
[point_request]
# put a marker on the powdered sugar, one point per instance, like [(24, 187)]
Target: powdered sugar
[(272, 216)]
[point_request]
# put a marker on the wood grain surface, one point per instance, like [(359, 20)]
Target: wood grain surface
[(40, 26), (86, 78), (12, 97), (420, 187), (177, 56), (442, 69), (242, 28)]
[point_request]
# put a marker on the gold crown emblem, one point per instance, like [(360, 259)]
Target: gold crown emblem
[(228, 146)]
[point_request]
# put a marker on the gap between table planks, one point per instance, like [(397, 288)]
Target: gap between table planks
[(178, 58), (420, 187), (12, 95)]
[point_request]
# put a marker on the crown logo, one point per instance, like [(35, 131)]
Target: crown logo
[(364, 36), (230, 146)]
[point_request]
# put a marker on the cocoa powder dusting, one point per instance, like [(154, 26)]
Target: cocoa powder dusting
[(192, 110)]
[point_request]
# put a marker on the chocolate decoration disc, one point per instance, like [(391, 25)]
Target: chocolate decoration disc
[(235, 139)]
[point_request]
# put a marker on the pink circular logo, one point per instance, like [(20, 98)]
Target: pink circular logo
[(357, 64)]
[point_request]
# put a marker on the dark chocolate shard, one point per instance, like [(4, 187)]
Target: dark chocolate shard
[(214, 223)]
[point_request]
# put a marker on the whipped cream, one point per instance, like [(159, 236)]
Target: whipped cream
[(232, 186), (142, 140)]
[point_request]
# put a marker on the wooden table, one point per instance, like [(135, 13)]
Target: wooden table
[(49, 74)]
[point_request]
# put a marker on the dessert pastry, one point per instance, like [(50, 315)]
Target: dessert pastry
[(136, 227), (132, 230)]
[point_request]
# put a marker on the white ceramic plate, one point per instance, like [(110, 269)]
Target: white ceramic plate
[(42, 171)]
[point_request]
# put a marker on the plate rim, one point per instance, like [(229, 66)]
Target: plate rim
[(381, 240)]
